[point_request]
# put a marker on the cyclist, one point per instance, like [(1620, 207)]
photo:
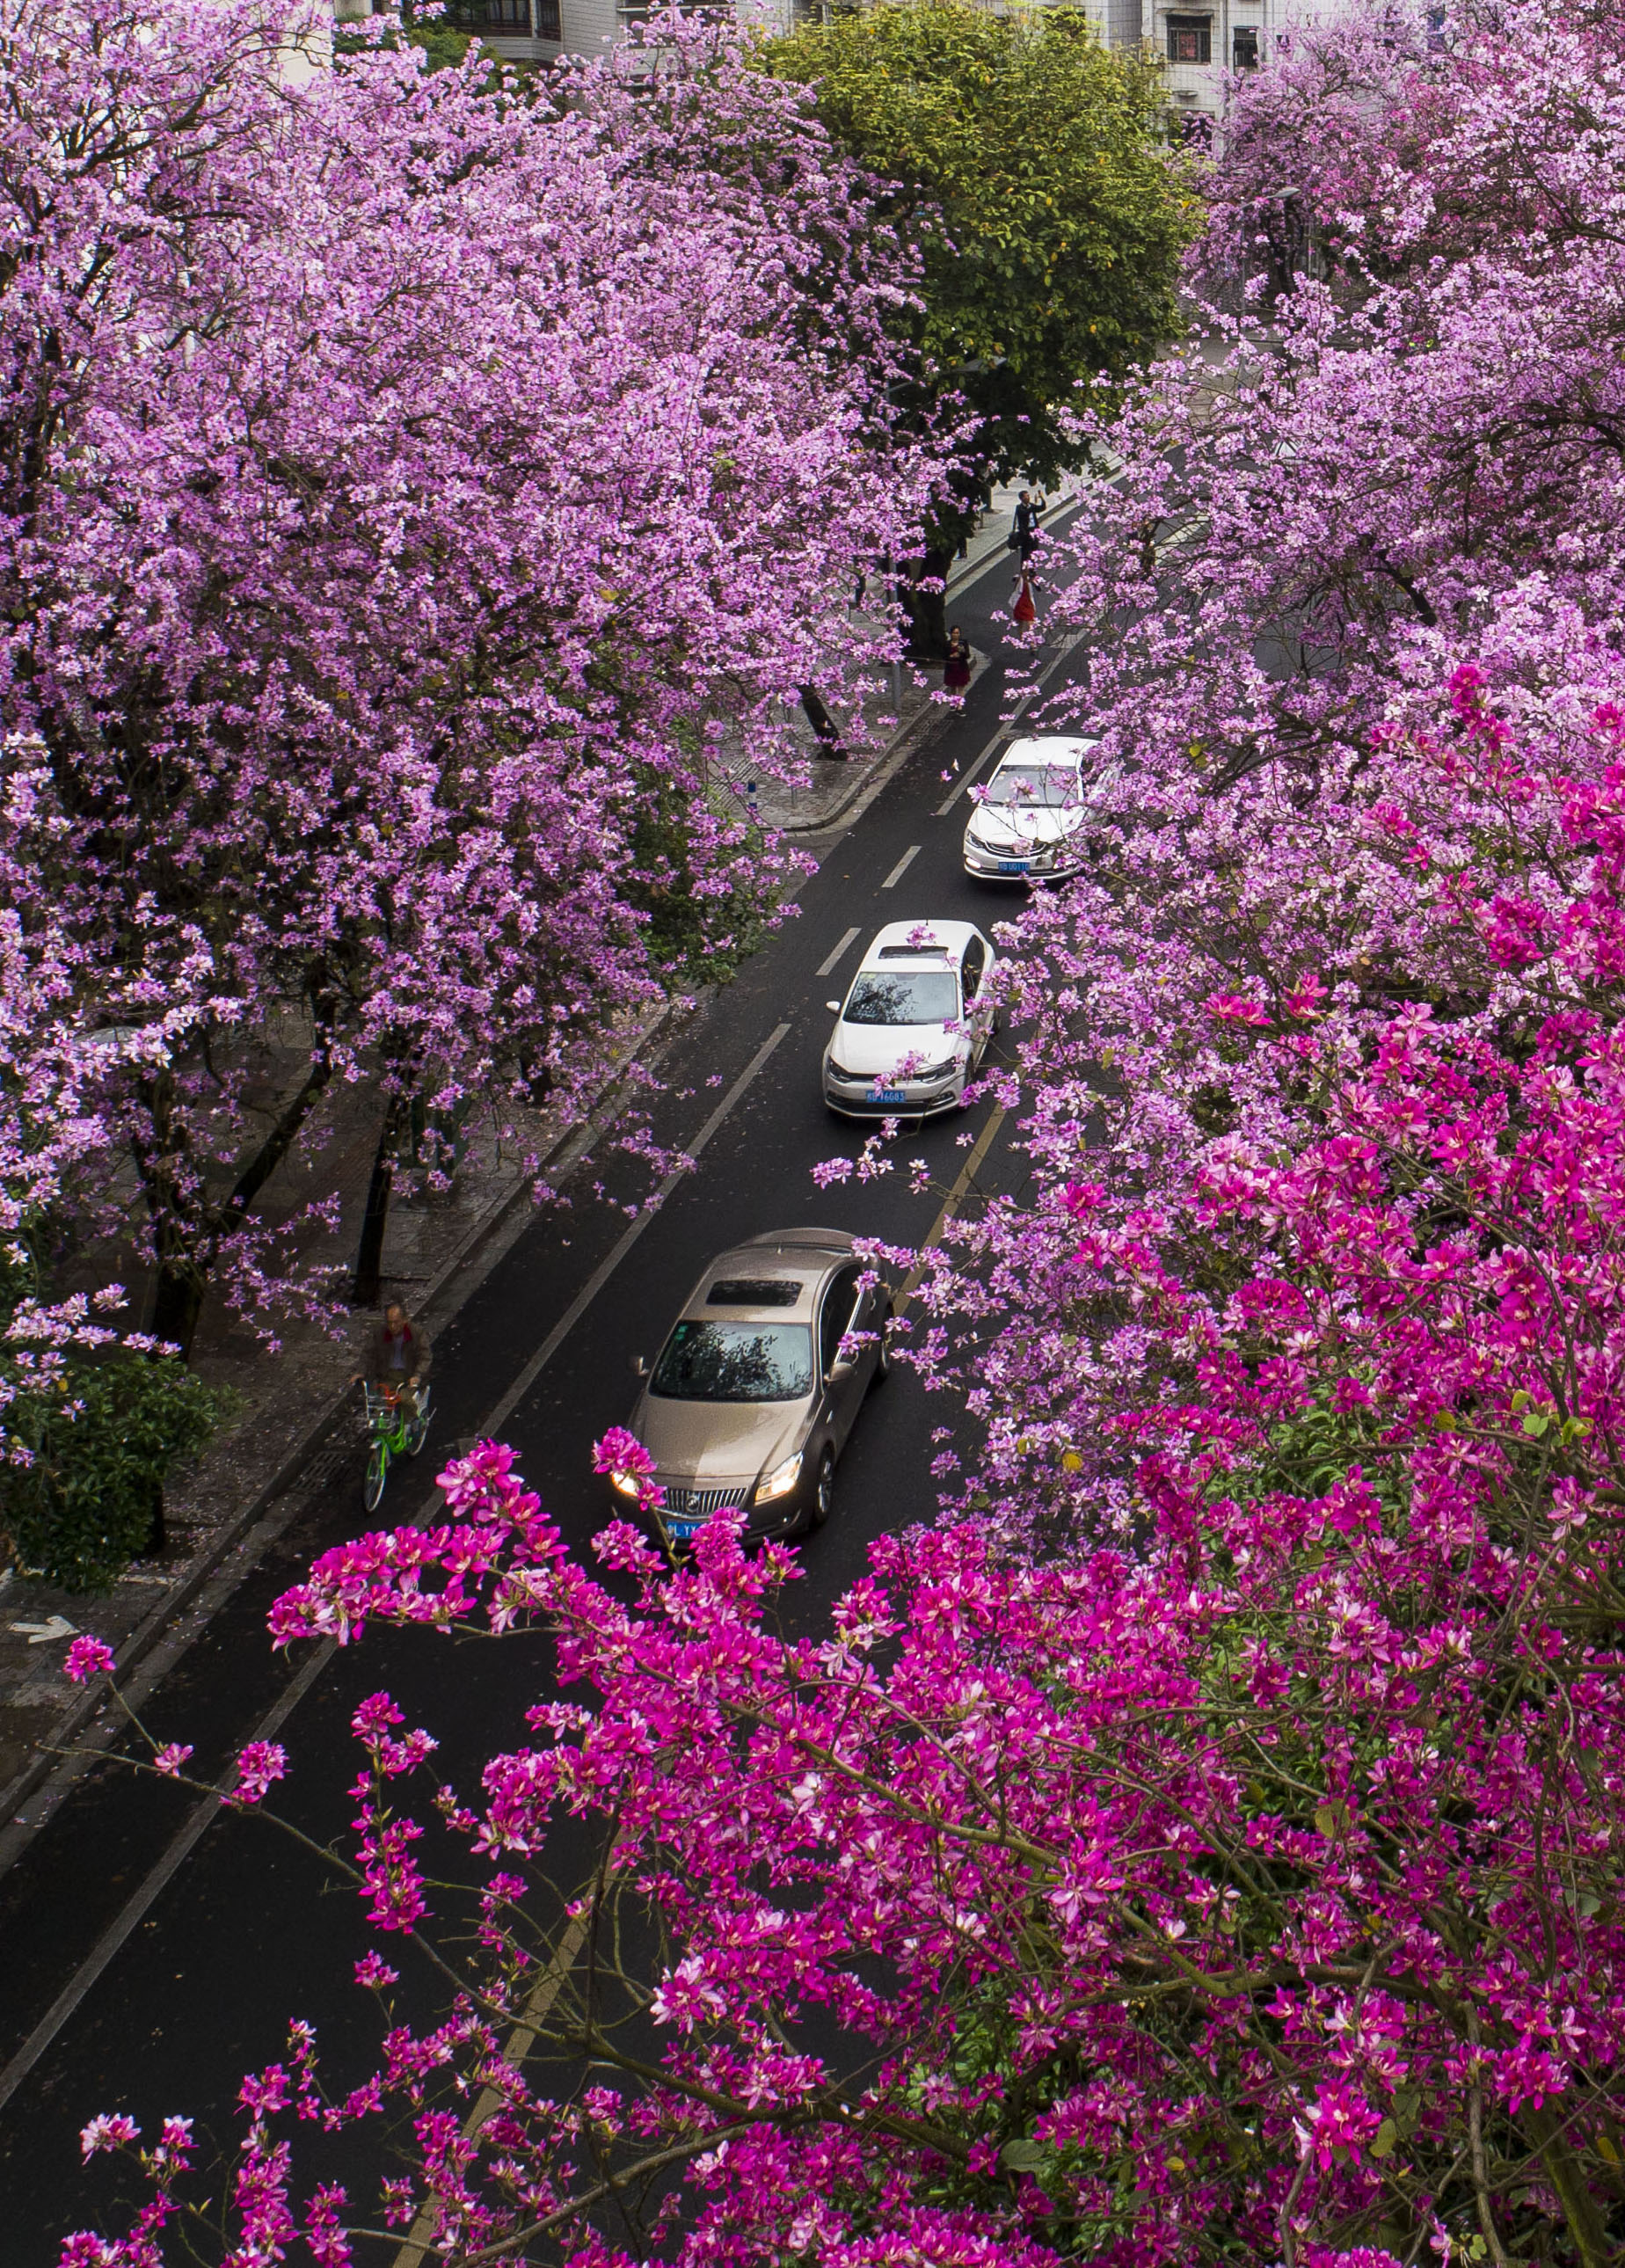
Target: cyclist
[(397, 1356)]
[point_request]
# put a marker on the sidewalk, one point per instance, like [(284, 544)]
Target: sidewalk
[(885, 728)]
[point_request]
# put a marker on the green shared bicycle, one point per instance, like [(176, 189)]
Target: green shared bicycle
[(397, 1426)]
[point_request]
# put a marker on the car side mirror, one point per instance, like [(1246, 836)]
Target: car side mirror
[(840, 1369), (836, 1005), (640, 1365)]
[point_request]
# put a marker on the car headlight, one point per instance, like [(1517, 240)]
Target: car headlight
[(627, 1483), (840, 1071), (780, 1481), (936, 1070)]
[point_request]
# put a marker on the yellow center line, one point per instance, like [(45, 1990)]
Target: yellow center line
[(544, 1993), (416, 2251)]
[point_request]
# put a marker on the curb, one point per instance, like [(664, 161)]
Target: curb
[(876, 771), (197, 1571)]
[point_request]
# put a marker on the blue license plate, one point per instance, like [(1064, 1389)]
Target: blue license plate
[(682, 1530), (891, 1095), (1014, 865)]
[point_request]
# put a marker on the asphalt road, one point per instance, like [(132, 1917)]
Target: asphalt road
[(244, 1932)]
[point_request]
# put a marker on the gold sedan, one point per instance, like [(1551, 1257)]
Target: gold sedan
[(751, 1398)]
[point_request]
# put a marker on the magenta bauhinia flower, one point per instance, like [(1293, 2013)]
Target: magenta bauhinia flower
[(259, 1767), (87, 1657)]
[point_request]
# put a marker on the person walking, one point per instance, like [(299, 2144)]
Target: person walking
[(397, 1356), (1024, 526), (956, 668)]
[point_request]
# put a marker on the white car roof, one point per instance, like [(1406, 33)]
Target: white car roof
[(1049, 750), (896, 938)]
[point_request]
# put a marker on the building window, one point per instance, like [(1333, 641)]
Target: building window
[(1195, 130), (1190, 39), (547, 23), (492, 15), (1244, 48)]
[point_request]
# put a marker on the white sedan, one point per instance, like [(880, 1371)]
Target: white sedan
[(915, 1025), (1030, 818)]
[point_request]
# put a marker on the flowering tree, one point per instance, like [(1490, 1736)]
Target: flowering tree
[(1253, 1893), (402, 484), (1407, 485)]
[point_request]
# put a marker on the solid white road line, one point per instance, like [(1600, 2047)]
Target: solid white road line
[(145, 1896), (852, 935), (975, 765), (902, 866), (142, 1900), (1005, 730)]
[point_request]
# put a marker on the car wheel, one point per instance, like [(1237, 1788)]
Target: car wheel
[(823, 1492)]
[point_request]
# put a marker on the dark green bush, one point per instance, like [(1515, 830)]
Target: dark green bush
[(93, 1498)]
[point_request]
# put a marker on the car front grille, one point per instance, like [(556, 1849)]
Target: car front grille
[(698, 1504)]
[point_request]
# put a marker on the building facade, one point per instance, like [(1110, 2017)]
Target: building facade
[(538, 31), (1198, 44)]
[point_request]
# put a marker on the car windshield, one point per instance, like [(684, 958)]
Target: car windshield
[(735, 1362), (915, 995), (1050, 786)]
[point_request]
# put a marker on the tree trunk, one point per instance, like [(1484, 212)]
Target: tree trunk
[(1594, 2247), (187, 1227), (368, 1281), (177, 1303), (927, 610), (823, 724)]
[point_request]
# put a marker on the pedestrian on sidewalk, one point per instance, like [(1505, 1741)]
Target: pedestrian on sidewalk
[(397, 1354), (1024, 525), (956, 668)]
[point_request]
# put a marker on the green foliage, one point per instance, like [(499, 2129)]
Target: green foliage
[(1030, 167), (93, 1498), (100, 1429), (444, 47)]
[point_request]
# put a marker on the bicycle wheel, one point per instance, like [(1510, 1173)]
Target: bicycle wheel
[(378, 1465), (418, 1432)]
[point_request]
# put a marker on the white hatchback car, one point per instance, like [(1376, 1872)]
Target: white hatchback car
[(916, 1025), (1030, 818)]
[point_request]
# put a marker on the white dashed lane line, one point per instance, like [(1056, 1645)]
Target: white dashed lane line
[(902, 866), (851, 938)]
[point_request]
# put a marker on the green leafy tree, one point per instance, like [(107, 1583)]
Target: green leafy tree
[(95, 1420), (1029, 166), (93, 1496)]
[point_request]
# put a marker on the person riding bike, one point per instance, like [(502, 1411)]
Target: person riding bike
[(397, 1356)]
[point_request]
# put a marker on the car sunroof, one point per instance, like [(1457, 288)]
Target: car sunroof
[(912, 952), (753, 1292)]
